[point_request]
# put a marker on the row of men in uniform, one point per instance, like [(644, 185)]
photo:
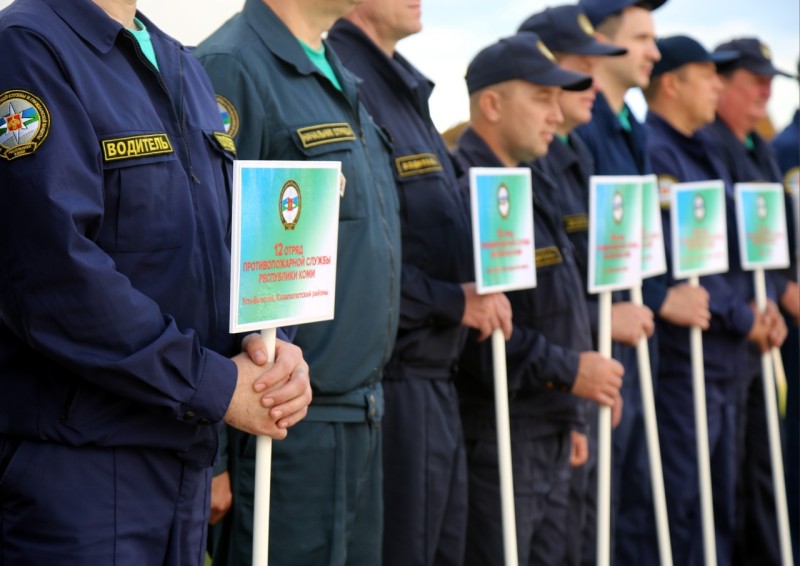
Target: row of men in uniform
[(395, 461), (552, 97)]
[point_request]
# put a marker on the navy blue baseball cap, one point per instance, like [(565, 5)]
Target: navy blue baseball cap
[(567, 29), (680, 50), (522, 56), (753, 56), (599, 10)]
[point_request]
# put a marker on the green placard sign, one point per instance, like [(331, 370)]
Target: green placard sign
[(699, 229), (615, 233), (761, 223), (654, 257), (502, 226), (283, 245)]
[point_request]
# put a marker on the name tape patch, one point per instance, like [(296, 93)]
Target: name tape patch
[(550, 255), (576, 223), (418, 164), (132, 147), (322, 134)]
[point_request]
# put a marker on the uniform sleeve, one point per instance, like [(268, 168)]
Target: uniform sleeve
[(425, 300), (232, 81), (61, 293), (536, 363)]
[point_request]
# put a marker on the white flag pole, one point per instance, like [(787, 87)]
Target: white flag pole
[(504, 448), (701, 430), (604, 442), (263, 477), (776, 456), (653, 445)]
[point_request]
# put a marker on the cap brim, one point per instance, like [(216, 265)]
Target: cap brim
[(568, 80), (596, 48), (723, 57)]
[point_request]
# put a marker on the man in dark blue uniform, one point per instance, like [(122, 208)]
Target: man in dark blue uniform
[(289, 98), (424, 467), (617, 142), (514, 87), (682, 97), (746, 156), (114, 293), (567, 31), (787, 151)]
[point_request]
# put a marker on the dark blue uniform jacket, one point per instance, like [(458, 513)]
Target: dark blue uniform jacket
[(114, 267), (684, 160), (570, 166), (756, 165), (434, 220), (550, 330)]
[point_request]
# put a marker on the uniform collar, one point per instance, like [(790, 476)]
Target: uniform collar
[(473, 151), (92, 24), (276, 36), (89, 21), (396, 69)]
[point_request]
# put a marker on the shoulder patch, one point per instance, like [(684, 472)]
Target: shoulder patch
[(24, 123), (550, 255), (418, 164), (576, 223), (131, 147), (229, 115), (791, 181), (665, 183), (225, 142), (322, 134)]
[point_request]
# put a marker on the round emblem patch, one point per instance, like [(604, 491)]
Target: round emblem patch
[(617, 207), (230, 117), (665, 183), (24, 123), (290, 204), (765, 51), (503, 201), (792, 181), (699, 207)]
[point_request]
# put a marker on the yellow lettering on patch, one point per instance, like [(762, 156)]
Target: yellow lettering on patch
[(576, 223), (418, 164), (322, 134), (225, 142), (550, 255), (136, 146)]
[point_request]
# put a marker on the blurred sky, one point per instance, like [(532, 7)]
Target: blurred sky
[(455, 30)]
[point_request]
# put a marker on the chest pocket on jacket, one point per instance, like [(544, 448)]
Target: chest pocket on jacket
[(149, 203), (427, 200), (336, 141), (553, 294), (221, 153)]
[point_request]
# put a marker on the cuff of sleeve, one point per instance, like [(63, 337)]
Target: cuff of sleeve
[(654, 291), (214, 391), (742, 319), (449, 302), (571, 363)]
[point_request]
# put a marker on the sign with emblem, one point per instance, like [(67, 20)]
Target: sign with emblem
[(654, 257), (699, 229), (24, 123), (615, 233), (283, 243), (761, 223), (501, 202)]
